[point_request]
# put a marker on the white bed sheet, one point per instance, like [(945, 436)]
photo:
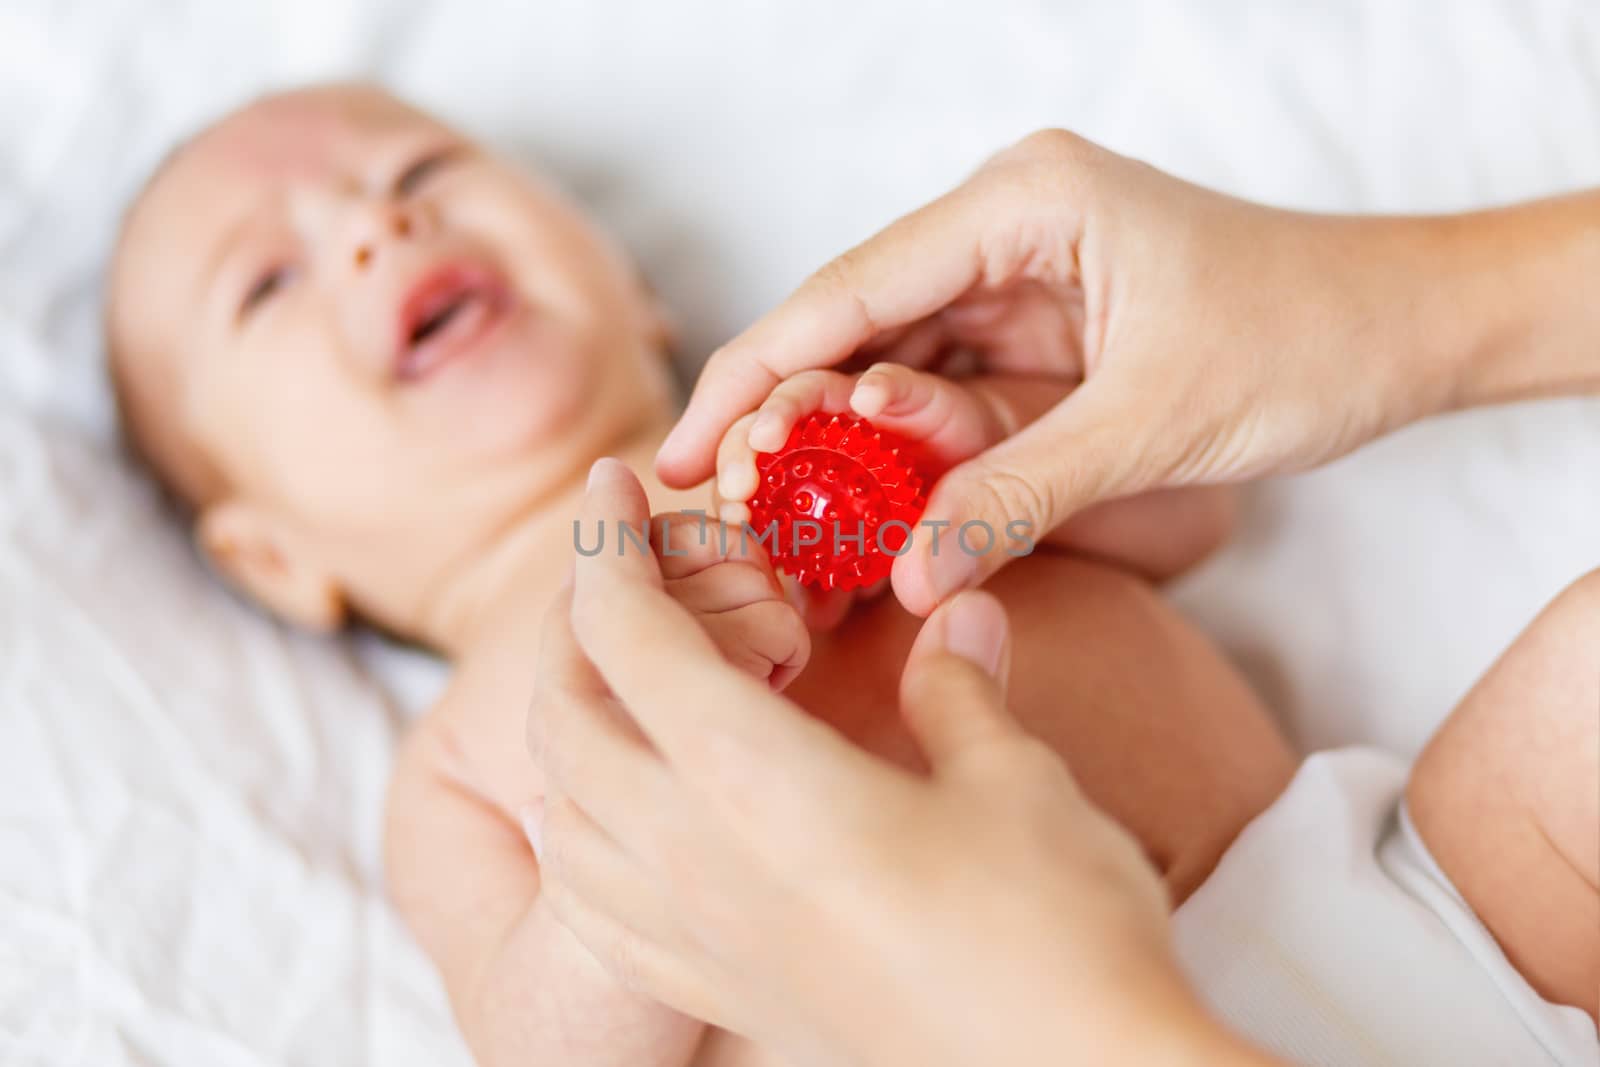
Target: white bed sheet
[(190, 796)]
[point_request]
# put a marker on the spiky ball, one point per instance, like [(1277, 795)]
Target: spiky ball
[(847, 479)]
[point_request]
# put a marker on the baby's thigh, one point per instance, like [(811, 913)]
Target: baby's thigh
[(1507, 798), (1160, 729)]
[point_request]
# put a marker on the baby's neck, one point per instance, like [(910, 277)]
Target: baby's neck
[(509, 587)]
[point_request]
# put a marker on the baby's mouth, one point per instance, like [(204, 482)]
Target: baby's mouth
[(446, 312)]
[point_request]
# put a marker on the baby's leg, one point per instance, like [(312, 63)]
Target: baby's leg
[(1158, 727), (1507, 798), (1160, 730)]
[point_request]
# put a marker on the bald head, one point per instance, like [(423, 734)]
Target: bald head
[(165, 254), (359, 346)]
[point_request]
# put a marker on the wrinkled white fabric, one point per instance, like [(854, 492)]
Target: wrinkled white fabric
[(190, 796), (1330, 935), (190, 803)]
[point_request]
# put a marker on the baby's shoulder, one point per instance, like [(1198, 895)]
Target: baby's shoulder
[(475, 735)]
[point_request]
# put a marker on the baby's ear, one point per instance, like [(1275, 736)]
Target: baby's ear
[(663, 327), (660, 324), (262, 558)]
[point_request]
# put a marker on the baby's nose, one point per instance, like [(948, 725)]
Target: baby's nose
[(375, 226)]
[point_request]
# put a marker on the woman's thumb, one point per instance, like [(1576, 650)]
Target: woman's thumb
[(952, 694), (995, 507)]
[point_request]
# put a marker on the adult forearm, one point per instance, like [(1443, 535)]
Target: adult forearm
[(1513, 313), (1162, 1025)]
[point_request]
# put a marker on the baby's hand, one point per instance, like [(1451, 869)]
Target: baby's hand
[(949, 420), (729, 584)]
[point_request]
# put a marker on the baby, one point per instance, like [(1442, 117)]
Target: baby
[(374, 362)]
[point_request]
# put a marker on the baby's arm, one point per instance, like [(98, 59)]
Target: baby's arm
[(1507, 798), (1157, 535), (523, 989)]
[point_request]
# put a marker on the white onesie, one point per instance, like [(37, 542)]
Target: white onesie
[(1329, 935)]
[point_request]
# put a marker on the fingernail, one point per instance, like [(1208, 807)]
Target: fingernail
[(975, 629), (867, 399), (532, 818), (606, 467)]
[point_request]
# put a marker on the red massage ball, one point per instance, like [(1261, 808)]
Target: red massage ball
[(837, 502)]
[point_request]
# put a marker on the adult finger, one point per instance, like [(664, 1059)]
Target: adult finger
[(590, 750), (562, 668), (912, 268), (616, 509), (578, 857), (1098, 443), (952, 693), (679, 980), (723, 729)]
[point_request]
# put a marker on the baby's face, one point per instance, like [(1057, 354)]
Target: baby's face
[(373, 340)]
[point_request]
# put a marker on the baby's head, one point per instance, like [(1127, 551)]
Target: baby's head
[(359, 346)]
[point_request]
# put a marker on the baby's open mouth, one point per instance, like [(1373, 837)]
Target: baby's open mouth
[(444, 314)]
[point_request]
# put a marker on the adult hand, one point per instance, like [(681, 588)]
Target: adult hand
[(1217, 340), (745, 864)]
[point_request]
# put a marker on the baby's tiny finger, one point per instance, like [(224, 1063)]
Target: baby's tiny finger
[(736, 466), (686, 543), (894, 389), (872, 394), (946, 418), (777, 417), (794, 399), (730, 584), (767, 638)]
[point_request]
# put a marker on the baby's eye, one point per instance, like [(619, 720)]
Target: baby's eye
[(417, 174), (263, 289)]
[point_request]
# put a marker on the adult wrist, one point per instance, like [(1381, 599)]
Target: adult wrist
[(1513, 308), (1173, 1029), (1158, 1023)]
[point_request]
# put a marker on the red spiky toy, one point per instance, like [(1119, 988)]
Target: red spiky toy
[(846, 478)]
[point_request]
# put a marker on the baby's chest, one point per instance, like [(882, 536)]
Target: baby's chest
[(852, 681)]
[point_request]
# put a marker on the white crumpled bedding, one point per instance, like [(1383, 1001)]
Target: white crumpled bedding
[(190, 796)]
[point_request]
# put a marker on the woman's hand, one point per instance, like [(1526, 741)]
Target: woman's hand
[(945, 420), (1217, 340), (742, 862)]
